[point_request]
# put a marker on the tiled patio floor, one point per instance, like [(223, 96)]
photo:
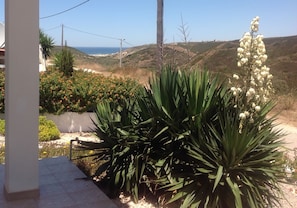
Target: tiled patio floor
[(60, 187)]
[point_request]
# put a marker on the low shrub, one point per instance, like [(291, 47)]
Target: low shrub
[(81, 92), (47, 129), (2, 127), (54, 90)]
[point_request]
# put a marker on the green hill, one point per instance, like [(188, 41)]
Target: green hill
[(216, 56)]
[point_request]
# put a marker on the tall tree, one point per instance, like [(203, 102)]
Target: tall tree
[(160, 4)]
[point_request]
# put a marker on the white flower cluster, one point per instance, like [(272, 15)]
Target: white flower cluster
[(255, 24), (256, 83)]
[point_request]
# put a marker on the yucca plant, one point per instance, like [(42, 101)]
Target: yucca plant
[(233, 155), (228, 168), (124, 149), (181, 137), (180, 101), (156, 127), (203, 155), (141, 138)]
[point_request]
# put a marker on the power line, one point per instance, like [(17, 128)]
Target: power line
[(53, 28), (88, 33), (102, 36), (128, 43), (52, 15)]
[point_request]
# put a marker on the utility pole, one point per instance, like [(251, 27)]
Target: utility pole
[(62, 38), (121, 46), (160, 5)]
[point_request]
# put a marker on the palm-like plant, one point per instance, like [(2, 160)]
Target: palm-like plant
[(47, 43)]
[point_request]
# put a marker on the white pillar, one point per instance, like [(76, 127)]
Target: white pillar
[(21, 99)]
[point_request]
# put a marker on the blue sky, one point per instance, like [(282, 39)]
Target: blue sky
[(135, 20)]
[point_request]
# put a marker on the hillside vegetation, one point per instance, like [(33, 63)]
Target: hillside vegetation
[(216, 56)]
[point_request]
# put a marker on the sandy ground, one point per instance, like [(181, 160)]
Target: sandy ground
[(287, 123), (290, 139)]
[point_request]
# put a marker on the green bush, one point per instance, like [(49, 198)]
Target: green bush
[(64, 61), (54, 91), (2, 127), (81, 92), (181, 139), (47, 129)]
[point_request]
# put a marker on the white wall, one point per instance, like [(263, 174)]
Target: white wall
[(73, 122), (2, 35)]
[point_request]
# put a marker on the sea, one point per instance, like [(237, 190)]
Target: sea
[(99, 50)]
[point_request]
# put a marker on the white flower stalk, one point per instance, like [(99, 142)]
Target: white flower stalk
[(235, 76), (256, 83), (255, 24)]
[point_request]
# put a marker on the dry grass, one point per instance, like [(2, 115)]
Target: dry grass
[(86, 65), (141, 75), (286, 102), (286, 109)]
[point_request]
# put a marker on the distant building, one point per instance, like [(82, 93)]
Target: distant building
[(2, 35), (2, 54), (42, 66), (2, 44)]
